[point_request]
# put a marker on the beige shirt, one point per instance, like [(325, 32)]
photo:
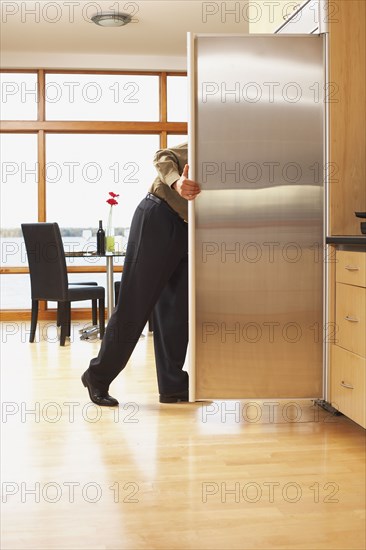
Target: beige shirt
[(169, 164)]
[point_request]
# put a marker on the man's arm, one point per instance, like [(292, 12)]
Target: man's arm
[(169, 164), (172, 168), (188, 189)]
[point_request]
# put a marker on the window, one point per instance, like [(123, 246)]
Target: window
[(81, 170), (102, 97), (18, 96), (176, 139), (18, 193), (177, 102), (83, 136), (15, 291)]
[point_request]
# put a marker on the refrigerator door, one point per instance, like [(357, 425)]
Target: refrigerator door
[(256, 246)]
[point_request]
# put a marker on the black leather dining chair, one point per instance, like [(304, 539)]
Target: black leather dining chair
[(49, 279), (94, 302)]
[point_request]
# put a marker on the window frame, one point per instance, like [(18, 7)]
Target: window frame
[(41, 127)]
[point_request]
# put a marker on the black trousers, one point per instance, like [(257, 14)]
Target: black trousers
[(155, 276)]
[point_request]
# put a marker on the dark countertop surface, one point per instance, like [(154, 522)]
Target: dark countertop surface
[(346, 239)]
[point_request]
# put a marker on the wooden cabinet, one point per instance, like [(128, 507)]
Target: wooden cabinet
[(350, 317), (265, 16), (351, 268), (346, 194), (347, 113), (348, 352), (348, 384)]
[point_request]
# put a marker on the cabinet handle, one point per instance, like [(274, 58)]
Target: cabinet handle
[(348, 386), (351, 319), (287, 15), (352, 268)]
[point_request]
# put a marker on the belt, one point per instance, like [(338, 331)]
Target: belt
[(156, 199)]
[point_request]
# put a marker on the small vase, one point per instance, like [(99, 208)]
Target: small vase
[(109, 234)]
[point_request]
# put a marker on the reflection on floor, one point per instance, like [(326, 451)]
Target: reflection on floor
[(210, 475)]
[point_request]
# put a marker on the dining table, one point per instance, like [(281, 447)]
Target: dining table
[(109, 257)]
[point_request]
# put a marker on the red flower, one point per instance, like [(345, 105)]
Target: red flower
[(112, 201)]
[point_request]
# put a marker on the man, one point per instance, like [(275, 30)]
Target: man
[(155, 275)]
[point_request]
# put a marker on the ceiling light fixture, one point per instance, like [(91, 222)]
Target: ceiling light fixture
[(111, 19)]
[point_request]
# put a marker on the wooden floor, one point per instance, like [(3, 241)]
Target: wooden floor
[(214, 475)]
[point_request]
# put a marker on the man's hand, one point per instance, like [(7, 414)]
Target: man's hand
[(188, 189)]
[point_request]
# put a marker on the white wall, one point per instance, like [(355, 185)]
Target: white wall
[(156, 39), (45, 60)]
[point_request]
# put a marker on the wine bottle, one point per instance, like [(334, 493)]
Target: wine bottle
[(100, 239)]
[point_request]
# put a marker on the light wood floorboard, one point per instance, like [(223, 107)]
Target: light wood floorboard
[(209, 475)]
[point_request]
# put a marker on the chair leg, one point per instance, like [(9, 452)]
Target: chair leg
[(58, 314), (101, 317), (64, 321), (68, 310), (95, 312), (34, 319)]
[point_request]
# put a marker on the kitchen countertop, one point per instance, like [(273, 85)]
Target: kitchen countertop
[(346, 239)]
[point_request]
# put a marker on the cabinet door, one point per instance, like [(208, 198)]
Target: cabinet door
[(304, 20), (350, 318), (351, 268), (348, 384), (347, 113), (266, 16)]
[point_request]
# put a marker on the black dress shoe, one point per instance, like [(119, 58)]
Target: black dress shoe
[(99, 397), (174, 398)]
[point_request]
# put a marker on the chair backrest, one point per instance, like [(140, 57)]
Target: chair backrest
[(46, 260)]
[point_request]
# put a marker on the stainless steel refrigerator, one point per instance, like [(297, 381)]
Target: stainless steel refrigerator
[(257, 145)]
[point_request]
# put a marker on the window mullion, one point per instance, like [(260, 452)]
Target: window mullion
[(41, 177), (41, 96)]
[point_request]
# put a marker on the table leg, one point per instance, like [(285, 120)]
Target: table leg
[(110, 289)]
